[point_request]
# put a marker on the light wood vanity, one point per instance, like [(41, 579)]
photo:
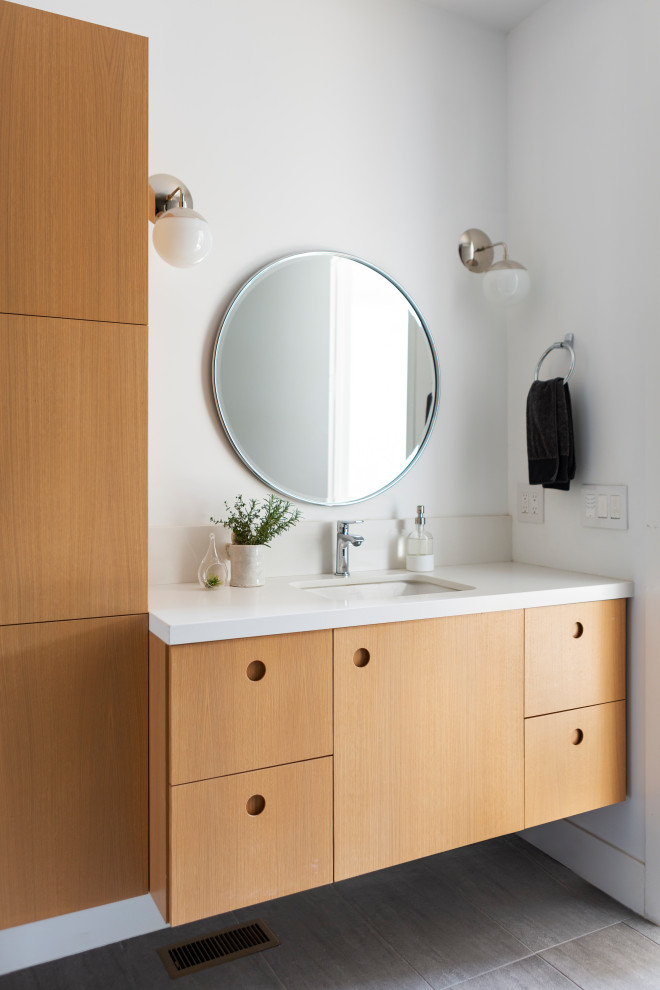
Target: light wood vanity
[(282, 762)]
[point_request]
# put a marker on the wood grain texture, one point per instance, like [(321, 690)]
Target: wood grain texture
[(73, 160), (73, 766), (73, 449), (428, 738), (563, 671), (223, 858), (222, 722), (158, 789), (563, 779)]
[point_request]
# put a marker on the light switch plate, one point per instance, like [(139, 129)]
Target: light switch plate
[(605, 506)]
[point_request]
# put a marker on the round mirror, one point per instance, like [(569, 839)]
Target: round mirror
[(325, 378)]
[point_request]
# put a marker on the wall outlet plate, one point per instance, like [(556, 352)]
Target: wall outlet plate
[(604, 506), (530, 504)]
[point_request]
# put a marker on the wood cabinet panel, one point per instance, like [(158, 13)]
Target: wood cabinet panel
[(73, 441), (158, 789), (574, 761), (245, 704), (73, 160), (223, 857), (428, 737), (574, 656), (73, 766)]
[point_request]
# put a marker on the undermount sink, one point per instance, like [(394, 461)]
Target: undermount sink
[(367, 587)]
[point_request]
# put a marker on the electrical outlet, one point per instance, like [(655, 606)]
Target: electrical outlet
[(530, 506)]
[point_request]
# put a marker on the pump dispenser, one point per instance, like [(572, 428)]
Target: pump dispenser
[(419, 545)]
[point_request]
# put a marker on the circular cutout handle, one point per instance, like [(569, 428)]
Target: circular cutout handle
[(578, 629), (255, 805), (256, 670), (577, 737), (361, 657)]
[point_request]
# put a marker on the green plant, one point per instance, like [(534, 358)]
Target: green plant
[(213, 581), (258, 522)]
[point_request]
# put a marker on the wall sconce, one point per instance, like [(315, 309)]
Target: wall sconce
[(182, 237), (506, 282)]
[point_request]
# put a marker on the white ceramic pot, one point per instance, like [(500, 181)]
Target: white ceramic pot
[(247, 565)]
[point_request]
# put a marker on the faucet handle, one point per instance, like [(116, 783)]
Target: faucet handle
[(341, 523)]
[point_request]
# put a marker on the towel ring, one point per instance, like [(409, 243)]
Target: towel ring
[(567, 343)]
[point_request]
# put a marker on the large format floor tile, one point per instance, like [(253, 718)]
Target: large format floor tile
[(617, 958), (514, 889), (435, 928), (329, 945), (528, 974)]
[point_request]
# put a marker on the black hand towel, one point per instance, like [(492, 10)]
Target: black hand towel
[(550, 449)]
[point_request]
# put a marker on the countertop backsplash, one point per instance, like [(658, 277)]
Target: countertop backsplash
[(309, 548)]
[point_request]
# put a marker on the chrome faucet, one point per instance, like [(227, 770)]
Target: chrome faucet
[(344, 540)]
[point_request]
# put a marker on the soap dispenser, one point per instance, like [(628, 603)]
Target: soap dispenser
[(419, 545)]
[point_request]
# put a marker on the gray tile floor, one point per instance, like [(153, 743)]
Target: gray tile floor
[(499, 915)]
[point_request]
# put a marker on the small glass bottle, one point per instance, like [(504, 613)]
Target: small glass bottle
[(212, 573), (419, 545)]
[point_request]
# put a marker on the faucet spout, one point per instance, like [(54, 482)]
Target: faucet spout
[(344, 540)]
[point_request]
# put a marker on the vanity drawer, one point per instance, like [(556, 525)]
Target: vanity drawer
[(226, 853), (574, 656), (244, 704), (574, 761)]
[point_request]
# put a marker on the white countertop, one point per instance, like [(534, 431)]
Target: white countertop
[(185, 613)]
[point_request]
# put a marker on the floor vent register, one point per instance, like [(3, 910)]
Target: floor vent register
[(217, 947)]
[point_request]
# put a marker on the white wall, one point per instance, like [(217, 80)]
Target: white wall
[(342, 124), (583, 162)]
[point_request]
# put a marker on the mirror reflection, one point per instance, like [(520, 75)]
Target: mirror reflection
[(325, 378)]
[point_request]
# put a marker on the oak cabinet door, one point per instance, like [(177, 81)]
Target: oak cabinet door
[(73, 160), (73, 449), (249, 837), (428, 737), (73, 766), (245, 704), (574, 761), (575, 656)]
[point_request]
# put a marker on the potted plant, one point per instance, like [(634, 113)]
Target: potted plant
[(253, 525)]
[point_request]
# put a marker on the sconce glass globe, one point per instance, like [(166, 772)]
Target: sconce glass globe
[(506, 283), (182, 237)]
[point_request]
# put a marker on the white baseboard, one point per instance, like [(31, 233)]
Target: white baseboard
[(53, 938), (606, 867)]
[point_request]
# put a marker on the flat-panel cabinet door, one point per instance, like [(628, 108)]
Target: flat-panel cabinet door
[(428, 737), (249, 837), (73, 450), (73, 766), (73, 160), (245, 704)]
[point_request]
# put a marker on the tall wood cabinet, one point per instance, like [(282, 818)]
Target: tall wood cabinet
[(73, 498)]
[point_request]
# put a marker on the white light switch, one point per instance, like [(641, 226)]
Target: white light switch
[(605, 506)]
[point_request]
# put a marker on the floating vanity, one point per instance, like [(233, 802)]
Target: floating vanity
[(298, 738)]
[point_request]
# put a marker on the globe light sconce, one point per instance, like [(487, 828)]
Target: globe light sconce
[(182, 237), (506, 282)]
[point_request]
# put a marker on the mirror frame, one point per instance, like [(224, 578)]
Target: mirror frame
[(243, 456)]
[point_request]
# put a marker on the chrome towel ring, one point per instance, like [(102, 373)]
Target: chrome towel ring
[(567, 343)]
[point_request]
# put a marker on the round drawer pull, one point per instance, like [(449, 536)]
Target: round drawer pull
[(256, 670), (578, 629), (577, 737), (255, 805), (361, 657)]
